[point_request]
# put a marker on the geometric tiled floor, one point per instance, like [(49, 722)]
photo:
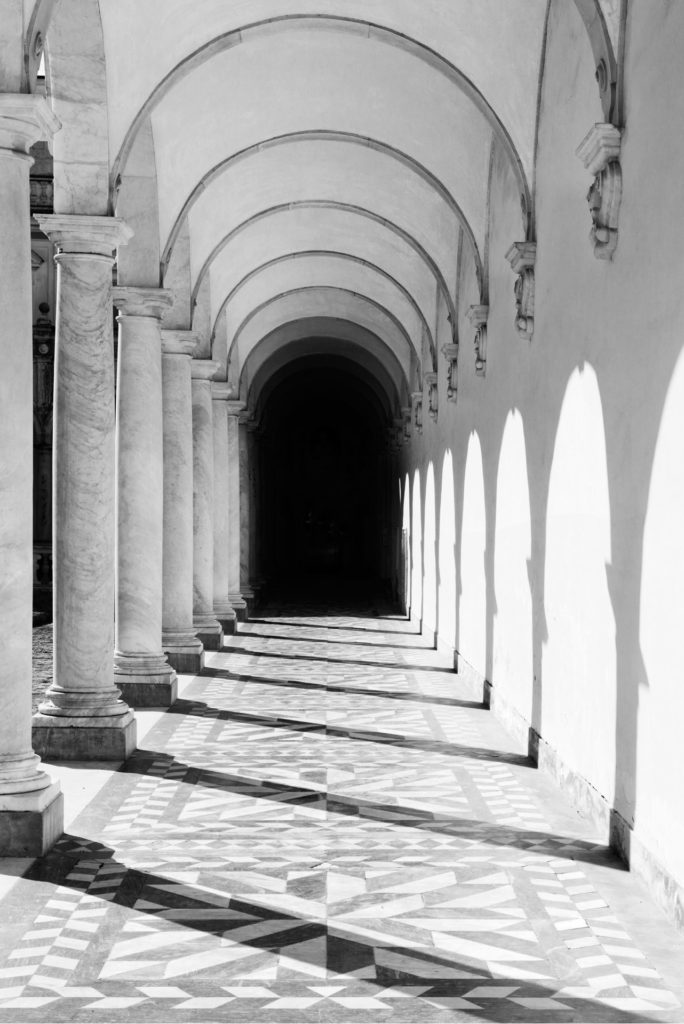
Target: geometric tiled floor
[(325, 829)]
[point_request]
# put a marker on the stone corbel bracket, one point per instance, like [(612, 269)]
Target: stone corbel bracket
[(599, 151), (417, 407), (450, 353), (478, 317), (431, 382), (522, 257)]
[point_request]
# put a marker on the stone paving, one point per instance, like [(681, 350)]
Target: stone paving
[(326, 828)]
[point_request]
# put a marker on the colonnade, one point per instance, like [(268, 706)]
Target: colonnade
[(146, 500)]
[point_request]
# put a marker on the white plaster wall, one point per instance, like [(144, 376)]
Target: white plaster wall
[(446, 542), (429, 554), (512, 671), (472, 639), (588, 418), (578, 663)]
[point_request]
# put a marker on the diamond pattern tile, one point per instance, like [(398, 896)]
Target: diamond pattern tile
[(325, 828)]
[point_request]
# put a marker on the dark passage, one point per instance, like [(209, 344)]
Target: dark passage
[(324, 514)]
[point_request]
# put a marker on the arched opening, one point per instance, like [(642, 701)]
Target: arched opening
[(324, 525)]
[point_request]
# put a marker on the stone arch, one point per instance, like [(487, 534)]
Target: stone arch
[(320, 22), (298, 296), (333, 136), (288, 276), (324, 204)]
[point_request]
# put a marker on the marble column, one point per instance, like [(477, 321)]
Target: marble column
[(238, 602), (141, 670), (184, 651), (207, 626), (83, 717), (31, 815), (223, 609)]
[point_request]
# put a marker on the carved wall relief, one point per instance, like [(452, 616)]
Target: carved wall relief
[(433, 394), (478, 318), (522, 256), (599, 151), (450, 353), (406, 416), (417, 404)]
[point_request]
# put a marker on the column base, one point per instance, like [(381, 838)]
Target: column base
[(209, 631), (65, 738), (31, 823), (227, 617), (184, 652), (145, 680), (240, 606)]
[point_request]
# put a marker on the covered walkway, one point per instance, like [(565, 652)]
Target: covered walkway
[(326, 826)]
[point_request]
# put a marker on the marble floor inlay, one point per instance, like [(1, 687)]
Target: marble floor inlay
[(326, 828)]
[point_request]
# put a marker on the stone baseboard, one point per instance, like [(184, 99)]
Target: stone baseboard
[(667, 892), (31, 833), (73, 739)]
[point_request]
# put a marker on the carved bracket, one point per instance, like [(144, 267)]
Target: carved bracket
[(599, 151), (450, 353), (417, 404), (478, 317), (522, 256), (406, 417), (431, 380)]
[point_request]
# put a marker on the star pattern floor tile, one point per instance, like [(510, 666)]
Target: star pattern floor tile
[(325, 828)]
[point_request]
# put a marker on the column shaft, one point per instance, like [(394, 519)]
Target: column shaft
[(206, 624), (141, 670), (223, 610), (83, 717), (31, 816), (184, 651)]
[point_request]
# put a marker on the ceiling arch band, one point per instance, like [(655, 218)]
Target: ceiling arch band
[(319, 135), (349, 208), (334, 23), (399, 327), (336, 255)]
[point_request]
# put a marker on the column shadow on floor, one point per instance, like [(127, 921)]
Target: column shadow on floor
[(201, 710), (340, 951), (398, 666), (357, 691), (160, 765)]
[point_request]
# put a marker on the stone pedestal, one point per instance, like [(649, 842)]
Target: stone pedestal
[(83, 717), (141, 670), (223, 609), (31, 817), (207, 626), (183, 650), (234, 409)]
